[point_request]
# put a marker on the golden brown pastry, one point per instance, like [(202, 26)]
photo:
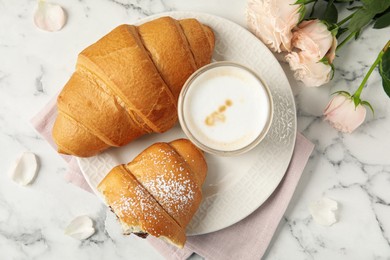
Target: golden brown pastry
[(159, 191), (127, 84)]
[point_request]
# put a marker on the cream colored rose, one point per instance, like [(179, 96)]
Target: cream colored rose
[(343, 115), (312, 73), (272, 21), (312, 42)]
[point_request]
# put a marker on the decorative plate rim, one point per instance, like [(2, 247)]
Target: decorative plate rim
[(283, 94)]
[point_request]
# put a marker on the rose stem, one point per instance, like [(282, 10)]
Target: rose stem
[(378, 59), (345, 40), (345, 19)]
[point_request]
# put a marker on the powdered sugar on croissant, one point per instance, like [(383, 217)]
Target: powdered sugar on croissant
[(159, 191)]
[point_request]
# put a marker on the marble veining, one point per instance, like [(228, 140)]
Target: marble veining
[(352, 169)]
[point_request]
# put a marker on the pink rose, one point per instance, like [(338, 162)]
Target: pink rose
[(272, 21), (343, 115), (312, 41)]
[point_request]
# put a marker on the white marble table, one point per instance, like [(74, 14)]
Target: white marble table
[(353, 169)]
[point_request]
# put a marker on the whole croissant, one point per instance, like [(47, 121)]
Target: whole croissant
[(127, 84), (159, 191)]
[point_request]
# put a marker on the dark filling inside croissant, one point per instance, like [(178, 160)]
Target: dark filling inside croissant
[(141, 234)]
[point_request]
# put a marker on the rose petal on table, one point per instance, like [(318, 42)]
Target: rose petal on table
[(324, 211), (24, 169), (80, 228), (49, 17)]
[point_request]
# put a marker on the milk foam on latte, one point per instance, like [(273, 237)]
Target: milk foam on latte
[(226, 108)]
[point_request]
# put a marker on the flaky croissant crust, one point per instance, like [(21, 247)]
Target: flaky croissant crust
[(127, 84)]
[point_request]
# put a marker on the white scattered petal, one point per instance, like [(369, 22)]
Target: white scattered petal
[(49, 17), (80, 228), (324, 211), (24, 169)]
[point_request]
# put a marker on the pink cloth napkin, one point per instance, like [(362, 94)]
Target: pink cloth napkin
[(247, 239)]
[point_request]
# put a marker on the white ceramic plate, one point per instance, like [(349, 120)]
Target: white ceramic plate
[(235, 186)]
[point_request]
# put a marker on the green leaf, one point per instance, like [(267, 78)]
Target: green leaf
[(365, 103), (298, 2), (353, 8), (376, 6), (331, 14), (341, 31), (302, 13), (368, 2), (382, 21), (364, 15), (325, 61), (381, 14), (342, 92), (332, 27), (313, 10), (328, 12), (360, 19), (357, 34), (384, 70)]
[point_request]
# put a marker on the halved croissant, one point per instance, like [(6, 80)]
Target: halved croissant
[(127, 84), (159, 191)]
